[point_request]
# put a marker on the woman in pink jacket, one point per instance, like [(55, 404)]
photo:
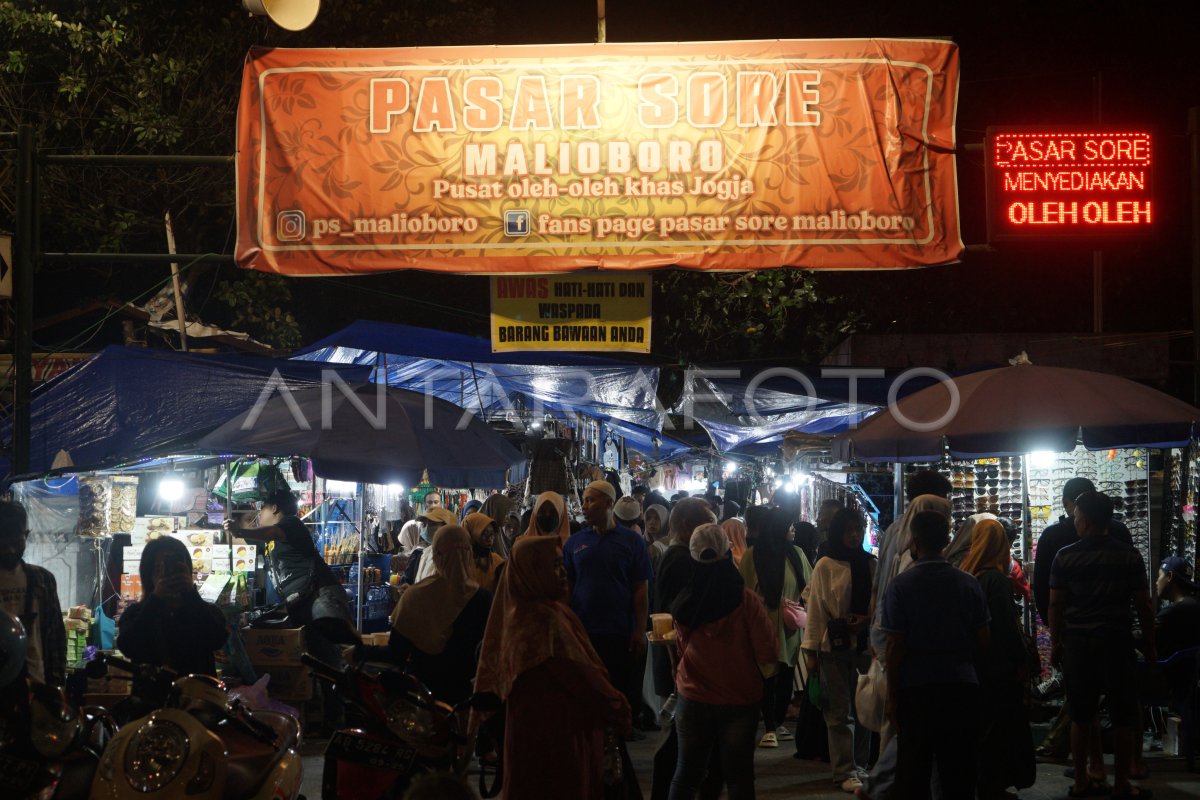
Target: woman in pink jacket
[(724, 635)]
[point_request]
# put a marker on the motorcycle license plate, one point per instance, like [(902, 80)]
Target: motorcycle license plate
[(379, 753)]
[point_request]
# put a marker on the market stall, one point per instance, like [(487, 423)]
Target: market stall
[(1009, 438)]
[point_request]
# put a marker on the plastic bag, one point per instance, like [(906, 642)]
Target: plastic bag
[(870, 697), (255, 698)]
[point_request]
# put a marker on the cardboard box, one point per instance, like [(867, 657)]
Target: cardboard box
[(280, 647), (195, 538), (288, 683), (131, 587), (131, 559), (220, 558)]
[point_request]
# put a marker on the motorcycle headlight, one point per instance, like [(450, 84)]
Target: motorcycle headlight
[(53, 726), (51, 736), (412, 724), (155, 755)]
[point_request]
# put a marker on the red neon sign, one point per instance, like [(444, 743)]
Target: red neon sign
[(1073, 183)]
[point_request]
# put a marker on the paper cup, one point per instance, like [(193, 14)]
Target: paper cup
[(661, 625)]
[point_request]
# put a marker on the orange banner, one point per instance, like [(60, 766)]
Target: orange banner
[(715, 156)]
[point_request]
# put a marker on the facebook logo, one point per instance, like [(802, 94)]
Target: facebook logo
[(516, 223)]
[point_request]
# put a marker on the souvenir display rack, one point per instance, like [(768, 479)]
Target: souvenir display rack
[(987, 485)]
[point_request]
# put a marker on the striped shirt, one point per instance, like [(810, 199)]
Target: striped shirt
[(1100, 576)]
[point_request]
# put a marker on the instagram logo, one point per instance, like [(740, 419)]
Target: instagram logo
[(289, 226)]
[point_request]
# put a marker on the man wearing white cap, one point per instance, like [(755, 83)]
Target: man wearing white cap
[(608, 568)]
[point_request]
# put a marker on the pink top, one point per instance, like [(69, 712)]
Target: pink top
[(718, 662)]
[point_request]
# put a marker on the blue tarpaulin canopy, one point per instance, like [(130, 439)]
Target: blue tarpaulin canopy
[(750, 415), (124, 404), (464, 370)]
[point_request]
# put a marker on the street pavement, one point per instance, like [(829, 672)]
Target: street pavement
[(779, 775)]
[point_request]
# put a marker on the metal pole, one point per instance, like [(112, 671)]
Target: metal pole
[(175, 280), (601, 23), (1194, 146), (1026, 535), (898, 499), (24, 263), (228, 494), (362, 526)]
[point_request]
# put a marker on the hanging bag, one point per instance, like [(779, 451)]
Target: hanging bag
[(870, 697), (793, 613)]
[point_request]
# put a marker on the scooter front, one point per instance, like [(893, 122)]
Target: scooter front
[(168, 754)]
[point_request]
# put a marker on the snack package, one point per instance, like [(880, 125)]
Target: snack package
[(122, 517), (95, 501)]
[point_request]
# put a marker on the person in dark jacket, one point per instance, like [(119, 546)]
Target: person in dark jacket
[(439, 623), (171, 626)]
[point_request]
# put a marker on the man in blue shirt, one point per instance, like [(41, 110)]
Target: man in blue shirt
[(936, 620), (608, 568)]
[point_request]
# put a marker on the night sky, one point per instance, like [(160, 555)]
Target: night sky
[(1023, 63)]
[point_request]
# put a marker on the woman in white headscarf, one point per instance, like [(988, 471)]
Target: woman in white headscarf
[(439, 622), (410, 537)]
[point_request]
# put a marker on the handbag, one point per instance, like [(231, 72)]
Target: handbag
[(794, 615), (870, 697)]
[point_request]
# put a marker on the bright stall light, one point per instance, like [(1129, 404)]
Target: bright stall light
[(731, 467), (789, 486), (395, 488), (1042, 459), (170, 488), (341, 488)]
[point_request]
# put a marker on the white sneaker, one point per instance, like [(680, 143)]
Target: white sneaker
[(769, 740), (851, 785), (784, 734)]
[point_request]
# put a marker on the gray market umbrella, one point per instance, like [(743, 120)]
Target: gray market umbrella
[(371, 433), (1021, 409)]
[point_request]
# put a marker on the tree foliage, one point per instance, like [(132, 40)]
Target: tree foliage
[(142, 77), (780, 313)]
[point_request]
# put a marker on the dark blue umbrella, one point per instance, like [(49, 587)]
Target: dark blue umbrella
[(371, 433)]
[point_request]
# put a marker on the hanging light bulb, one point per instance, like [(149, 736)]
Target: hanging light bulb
[(170, 487)]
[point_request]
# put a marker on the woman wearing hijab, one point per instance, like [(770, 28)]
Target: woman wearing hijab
[(537, 658), (735, 529), (839, 610), (724, 637), (656, 517), (1006, 755), (550, 518), (410, 537), (485, 562), (470, 507), (501, 508), (439, 622), (777, 570)]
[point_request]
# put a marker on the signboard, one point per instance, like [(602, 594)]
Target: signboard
[(6, 282), (715, 156), (1068, 183), (609, 313)]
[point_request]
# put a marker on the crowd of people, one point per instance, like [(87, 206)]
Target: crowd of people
[(541, 621)]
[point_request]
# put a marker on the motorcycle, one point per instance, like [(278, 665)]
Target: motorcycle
[(48, 749), (201, 744), (397, 731)]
